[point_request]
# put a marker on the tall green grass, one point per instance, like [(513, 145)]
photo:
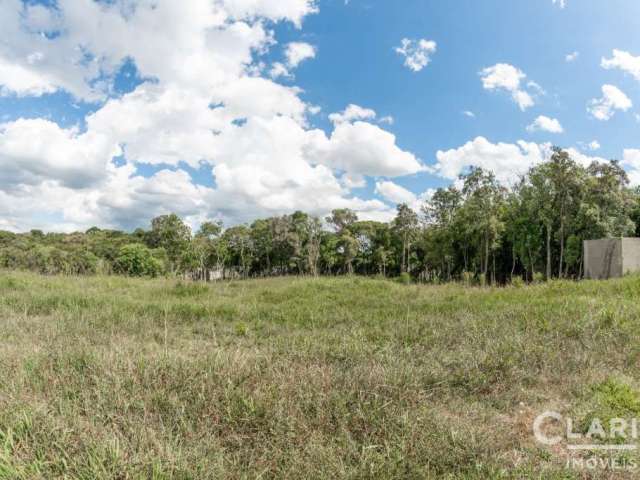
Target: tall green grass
[(108, 377)]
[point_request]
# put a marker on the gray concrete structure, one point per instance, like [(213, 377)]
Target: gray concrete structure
[(611, 257)]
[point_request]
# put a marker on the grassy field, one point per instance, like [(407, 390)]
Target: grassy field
[(109, 377)]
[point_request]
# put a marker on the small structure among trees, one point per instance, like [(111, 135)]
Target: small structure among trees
[(611, 257)]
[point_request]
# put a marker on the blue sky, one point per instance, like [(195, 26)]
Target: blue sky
[(112, 112), (533, 35)]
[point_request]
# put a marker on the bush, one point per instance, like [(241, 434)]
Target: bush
[(468, 278), (83, 263), (538, 277), (136, 260), (405, 279)]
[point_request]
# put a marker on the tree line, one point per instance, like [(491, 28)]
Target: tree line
[(476, 230)]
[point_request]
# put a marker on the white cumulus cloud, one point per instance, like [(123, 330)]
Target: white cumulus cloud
[(572, 57), (545, 124), (298, 52), (394, 193), (631, 160), (351, 113), (278, 70), (362, 148), (295, 53), (206, 104), (505, 77), (592, 145), (508, 161), (35, 150), (623, 61), (612, 99), (417, 53)]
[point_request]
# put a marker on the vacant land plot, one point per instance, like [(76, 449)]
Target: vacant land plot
[(108, 377)]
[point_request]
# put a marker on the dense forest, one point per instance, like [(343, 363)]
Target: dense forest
[(476, 231)]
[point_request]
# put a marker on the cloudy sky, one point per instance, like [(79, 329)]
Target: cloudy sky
[(112, 112)]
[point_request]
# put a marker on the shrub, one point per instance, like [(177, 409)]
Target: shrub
[(83, 263), (468, 278), (405, 279), (538, 277), (136, 260)]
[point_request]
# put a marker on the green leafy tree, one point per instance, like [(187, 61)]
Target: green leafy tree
[(137, 260), (205, 248), (444, 238), (313, 235), (347, 245), (341, 219), (240, 248), (484, 205), (405, 225), (568, 187), (329, 255), (172, 234)]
